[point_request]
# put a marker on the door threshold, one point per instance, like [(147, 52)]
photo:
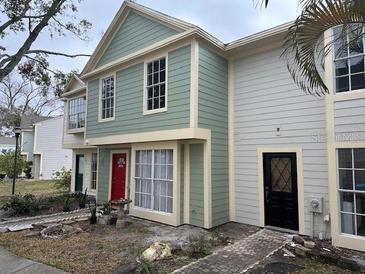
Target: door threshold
[(281, 229)]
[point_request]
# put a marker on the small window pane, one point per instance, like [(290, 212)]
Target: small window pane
[(340, 50), (358, 81), (162, 90), (344, 158), (360, 203), (149, 104), (361, 225), (150, 93), (347, 202), (162, 102), (345, 179), (342, 67), (347, 223), (162, 76), (342, 84), (149, 68), (155, 66), (155, 103), (162, 64), (359, 158), (360, 179), (357, 64), (149, 82), (355, 40)]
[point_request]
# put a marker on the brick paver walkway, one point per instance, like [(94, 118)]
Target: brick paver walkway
[(240, 256)]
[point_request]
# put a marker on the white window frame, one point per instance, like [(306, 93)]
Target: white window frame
[(145, 92), (334, 59), (352, 191), (152, 179), (94, 172), (100, 119), (68, 113)]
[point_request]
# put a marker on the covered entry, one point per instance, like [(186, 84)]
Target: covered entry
[(281, 190)]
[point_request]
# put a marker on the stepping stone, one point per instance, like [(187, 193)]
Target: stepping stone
[(15, 228)]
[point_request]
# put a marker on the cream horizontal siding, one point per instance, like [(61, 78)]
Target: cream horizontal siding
[(265, 98), (350, 120), (129, 116), (135, 33), (48, 142)]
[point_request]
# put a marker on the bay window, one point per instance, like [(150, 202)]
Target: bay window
[(76, 113), (154, 180), (351, 183), (349, 60)]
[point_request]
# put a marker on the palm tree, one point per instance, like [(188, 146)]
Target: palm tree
[(304, 46)]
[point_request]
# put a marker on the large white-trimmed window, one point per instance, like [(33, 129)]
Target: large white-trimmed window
[(351, 183), (155, 93), (76, 113), (154, 180), (107, 98), (349, 60), (94, 170)]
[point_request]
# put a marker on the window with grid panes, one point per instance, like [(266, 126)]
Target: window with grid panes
[(154, 180), (351, 184), (76, 113), (107, 97), (156, 85), (94, 170), (349, 60)]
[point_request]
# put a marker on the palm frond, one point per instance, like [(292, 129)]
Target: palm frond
[(304, 47)]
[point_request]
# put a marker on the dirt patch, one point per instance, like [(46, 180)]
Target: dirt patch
[(107, 249)]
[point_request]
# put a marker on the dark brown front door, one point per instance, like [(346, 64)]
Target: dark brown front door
[(281, 190)]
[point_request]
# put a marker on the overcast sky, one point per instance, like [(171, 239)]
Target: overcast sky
[(225, 19)]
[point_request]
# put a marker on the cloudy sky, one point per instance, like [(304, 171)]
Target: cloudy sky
[(225, 19)]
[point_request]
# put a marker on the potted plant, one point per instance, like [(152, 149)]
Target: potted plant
[(93, 217), (105, 218)]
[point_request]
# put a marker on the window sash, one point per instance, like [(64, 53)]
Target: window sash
[(94, 170), (153, 189), (352, 192), (107, 99), (76, 113), (156, 84)]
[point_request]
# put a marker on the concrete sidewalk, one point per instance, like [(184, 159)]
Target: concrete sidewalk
[(10, 263)]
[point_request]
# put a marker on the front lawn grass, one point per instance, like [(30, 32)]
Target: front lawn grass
[(35, 187)]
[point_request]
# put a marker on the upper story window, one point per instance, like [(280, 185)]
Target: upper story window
[(349, 60), (107, 100), (155, 99), (76, 113)]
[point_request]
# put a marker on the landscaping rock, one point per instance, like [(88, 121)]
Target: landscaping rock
[(156, 251), (3, 229), (298, 240), (287, 253), (15, 228), (52, 232), (301, 250), (309, 244)]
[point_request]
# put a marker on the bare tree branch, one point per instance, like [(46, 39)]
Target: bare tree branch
[(57, 53)]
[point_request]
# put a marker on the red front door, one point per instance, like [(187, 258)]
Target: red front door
[(119, 169)]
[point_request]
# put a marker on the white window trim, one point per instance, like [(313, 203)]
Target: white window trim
[(100, 119), (162, 217), (145, 96), (349, 94), (155, 179), (67, 111), (91, 171)]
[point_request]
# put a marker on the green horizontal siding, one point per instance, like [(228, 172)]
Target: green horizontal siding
[(213, 114), (136, 32), (103, 175), (197, 184), (129, 116)]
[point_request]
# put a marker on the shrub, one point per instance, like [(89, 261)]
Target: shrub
[(22, 205), (28, 169), (198, 247), (7, 163), (146, 267), (63, 178)]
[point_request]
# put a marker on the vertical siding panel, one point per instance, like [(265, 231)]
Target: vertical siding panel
[(213, 114), (197, 184), (136, 32)]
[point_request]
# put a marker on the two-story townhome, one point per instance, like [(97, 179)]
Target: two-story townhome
[(195, 131)]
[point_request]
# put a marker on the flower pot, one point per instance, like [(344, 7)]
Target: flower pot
[(93, 220)]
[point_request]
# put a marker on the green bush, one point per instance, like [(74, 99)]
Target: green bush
[(63, 178), (23, 205), (7, 163), (198, 247)]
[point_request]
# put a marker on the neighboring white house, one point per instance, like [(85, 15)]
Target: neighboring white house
[(6, 144), (42, 144)]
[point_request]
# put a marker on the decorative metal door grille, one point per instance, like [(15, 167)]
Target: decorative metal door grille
[(281, 179)]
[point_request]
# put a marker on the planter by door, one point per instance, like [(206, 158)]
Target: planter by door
[(281, 190), (119, 169), (80, 168)]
